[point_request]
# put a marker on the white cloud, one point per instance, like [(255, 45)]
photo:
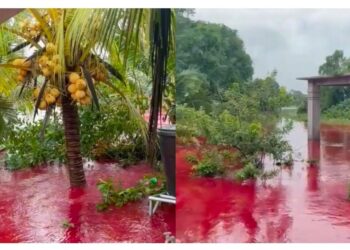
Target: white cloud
[(293, 41)]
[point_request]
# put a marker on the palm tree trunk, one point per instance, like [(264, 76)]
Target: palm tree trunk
[(72, 138)]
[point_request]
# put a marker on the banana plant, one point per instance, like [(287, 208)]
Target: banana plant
[(63, 55)]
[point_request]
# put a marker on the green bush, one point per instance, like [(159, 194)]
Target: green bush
[(211, 165), (109, 133), (192, 159), (249, 171), (119, 196), (112, 133), (251, 139), (338, 111), (193, 123), (24, 148)]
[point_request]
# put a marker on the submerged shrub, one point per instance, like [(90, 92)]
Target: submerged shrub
[(211, 165), (249, 171), (118, 196), (192, 159)]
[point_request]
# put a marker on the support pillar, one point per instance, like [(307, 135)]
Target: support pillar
[(313, 111)]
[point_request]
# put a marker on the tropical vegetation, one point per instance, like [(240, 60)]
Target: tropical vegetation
[(78, 67), (219, 100)]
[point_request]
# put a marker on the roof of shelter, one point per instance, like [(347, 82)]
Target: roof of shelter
[(328, 80)]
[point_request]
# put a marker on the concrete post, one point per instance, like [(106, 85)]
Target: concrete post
[(313, 111)]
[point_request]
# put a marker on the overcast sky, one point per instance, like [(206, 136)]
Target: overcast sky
[(294, 42)]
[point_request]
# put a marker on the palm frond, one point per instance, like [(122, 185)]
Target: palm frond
[(160, 36)]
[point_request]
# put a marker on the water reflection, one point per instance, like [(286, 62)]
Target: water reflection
[(36, 205), (304, 203), (73, 222)]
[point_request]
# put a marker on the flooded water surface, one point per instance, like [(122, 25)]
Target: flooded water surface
[(301, 204), (37, 205)]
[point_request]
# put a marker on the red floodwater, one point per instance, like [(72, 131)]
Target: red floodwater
[(301, 204), (36, 203)]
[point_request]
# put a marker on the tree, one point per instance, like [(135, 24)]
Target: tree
[(214, 50), (192, 88), (336, 64), (72, 51)]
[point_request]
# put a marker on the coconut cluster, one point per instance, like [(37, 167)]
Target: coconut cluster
[(51, 96), (22, 73), (78, 89), (49, 62), (99, 73), (30, 29)]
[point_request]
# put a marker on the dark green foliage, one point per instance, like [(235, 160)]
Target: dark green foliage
[(111, 133), (25, 149), (251, 139), (338, 111), (118, 196), (192, 159), (298, 100), (230, 157), (217, 99), (214, 50), (192, 123), (211, 165), (336, 64), (192, 88), (249, 171)]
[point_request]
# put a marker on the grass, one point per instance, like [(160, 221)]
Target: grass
[(335, 121), (324, 120)]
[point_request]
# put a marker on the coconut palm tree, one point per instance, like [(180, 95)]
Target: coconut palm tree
[(69, 52)]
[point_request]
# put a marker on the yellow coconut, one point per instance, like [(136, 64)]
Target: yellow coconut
[(73, 77), (57, 68), (72, 88), (80, 94), (81, 84), (46, 71), (23, 72), (37, 26), (36, 92), (33, 33), (20, 78), (22, 25), (101, 77), (55, 92), (74, 97), (50, 64), (17, 62), (43, 60), (26, 64), (50, 48), (86, 100), (42, 105), (56, 59), (50, 99)]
